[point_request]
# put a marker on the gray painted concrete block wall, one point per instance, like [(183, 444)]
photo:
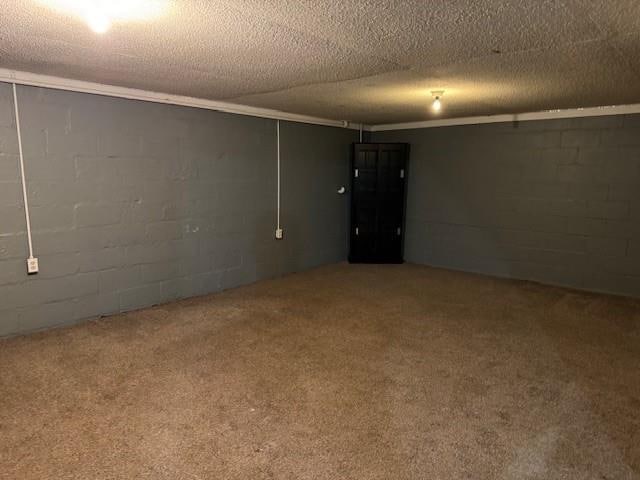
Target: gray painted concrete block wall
[(555, 201), (135, 204)]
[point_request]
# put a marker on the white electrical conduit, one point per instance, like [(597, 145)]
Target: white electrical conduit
[(278, 150), (22, 176)]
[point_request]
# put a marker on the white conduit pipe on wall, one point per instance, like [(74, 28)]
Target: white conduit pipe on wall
[(278, 227), (32, 263)]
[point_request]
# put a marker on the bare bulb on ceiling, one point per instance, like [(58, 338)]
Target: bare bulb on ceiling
[(98, 22), (437, 103), (101, 14)]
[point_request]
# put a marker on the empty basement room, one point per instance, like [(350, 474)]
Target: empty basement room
[(322, 240)]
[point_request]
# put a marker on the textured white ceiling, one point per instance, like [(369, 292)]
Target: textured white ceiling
[(362, 60)]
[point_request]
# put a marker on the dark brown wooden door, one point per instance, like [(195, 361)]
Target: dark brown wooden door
[(377, 202)]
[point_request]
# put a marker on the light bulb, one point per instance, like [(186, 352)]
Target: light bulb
[(437, 104), (98, 21), (101, 14)]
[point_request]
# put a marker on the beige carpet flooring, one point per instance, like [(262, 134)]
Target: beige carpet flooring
[(343, 372)]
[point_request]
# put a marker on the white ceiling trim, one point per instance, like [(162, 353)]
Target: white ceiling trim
[(59, 83), (516, 117)]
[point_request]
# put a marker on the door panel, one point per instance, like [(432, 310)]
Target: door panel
[(377, 213)]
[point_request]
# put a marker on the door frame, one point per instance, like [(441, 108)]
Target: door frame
[(351, 257)]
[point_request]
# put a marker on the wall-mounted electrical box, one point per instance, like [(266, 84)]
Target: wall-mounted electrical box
[(32, 266)]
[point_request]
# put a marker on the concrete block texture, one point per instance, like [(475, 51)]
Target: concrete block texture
[(555, 201), (135, 204)]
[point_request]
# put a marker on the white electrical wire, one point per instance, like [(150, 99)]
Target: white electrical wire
[(278, 142), (24, 183)]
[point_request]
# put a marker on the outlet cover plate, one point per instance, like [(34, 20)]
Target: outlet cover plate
[(32, 266)]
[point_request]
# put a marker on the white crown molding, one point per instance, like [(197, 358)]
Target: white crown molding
[(517, 117), (59, 83)]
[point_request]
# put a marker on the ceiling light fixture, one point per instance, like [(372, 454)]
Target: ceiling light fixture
[(437, 104), (100, 14), (98, 21)]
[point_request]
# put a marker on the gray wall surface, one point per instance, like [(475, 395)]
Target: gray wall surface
[(135, 204), (554, 201)]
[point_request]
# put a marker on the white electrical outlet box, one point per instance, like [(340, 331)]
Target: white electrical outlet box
[(279, 233), (32, 266)]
